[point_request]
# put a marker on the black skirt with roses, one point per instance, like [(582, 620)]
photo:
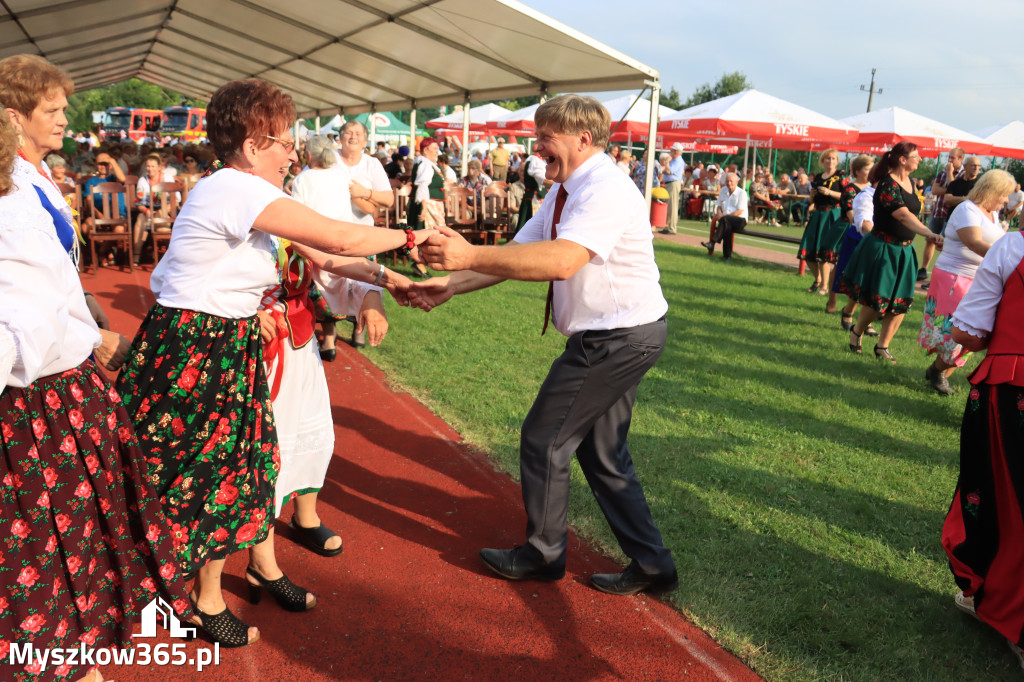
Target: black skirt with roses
[(195, 388), (84, 544), (983, 534)]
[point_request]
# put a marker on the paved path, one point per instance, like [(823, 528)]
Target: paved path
[(409, 598)]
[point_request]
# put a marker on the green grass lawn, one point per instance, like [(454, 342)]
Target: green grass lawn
[(800, 487)]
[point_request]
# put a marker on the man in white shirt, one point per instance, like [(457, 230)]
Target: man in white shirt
[(730, 216), (592, 242)]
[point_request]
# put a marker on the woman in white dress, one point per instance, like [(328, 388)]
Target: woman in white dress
[(302, 407)]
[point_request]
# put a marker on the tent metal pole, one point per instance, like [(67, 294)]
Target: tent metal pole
[(652, 140), (465, 136), (316, 124), (412, 130), (746, 154), (373, 128)]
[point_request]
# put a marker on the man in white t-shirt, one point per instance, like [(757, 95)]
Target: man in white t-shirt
[(592, 242)]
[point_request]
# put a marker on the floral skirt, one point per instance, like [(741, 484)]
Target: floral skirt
[(822, 236), (983, 534), (944, 294), (85, 545), (850, 241), (881, 275), (195, 387)]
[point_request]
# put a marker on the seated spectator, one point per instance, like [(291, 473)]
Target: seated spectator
[(450, 178), (730, 216), (193, 171), (711, 181), (394, 169), (475, 179), (58, 168), (798, 208), (106, 170)]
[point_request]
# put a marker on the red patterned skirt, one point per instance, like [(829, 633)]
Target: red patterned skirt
[(83, 542), (195, 388), (983, 534)]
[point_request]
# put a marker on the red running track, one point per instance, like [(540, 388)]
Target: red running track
[(409, 599)]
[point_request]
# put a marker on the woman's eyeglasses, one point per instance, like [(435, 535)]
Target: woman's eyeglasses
[(287, 144)]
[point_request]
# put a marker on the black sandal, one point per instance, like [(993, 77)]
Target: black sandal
[(846, 322), (223, 628), (883, 353), (854, 336), (315, 539), (870, 331), (290, 596)]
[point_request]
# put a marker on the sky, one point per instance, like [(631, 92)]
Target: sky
[(938, 59)]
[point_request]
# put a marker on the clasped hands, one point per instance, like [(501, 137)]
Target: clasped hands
[(444, 249)]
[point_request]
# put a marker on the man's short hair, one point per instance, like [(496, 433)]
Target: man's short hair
[(351, 124), (958, 152), (572, 114)]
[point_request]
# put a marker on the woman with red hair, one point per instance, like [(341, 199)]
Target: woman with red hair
[(195, 383)]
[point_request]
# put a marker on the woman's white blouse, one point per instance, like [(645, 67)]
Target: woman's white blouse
[(45, 325), (976, 313)]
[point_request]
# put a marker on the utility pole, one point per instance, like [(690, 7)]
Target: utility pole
[(871, 90)]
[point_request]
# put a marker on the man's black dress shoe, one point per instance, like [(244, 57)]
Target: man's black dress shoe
[(517, 564), (710, 246), (634, 580)]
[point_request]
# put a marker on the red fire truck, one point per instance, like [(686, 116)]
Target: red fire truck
[(122, 122), (188, 123)]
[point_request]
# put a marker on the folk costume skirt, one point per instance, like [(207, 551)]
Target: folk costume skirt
[(881, 275), (85, 545), (944, 294), (195, 387), (822, 236), (983, 534), (851, 239)]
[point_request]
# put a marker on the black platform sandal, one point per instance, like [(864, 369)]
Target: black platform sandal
[(883, 353), (846, 321), (315, 539), (870, 331), (223, 628), (855, 340), (290, 596)]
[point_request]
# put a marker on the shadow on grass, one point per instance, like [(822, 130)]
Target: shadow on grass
[(804, 615)]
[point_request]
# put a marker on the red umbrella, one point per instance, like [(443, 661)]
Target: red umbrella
[(881, 129), (757, 117)]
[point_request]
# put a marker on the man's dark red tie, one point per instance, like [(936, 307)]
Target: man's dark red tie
[(555, 219)]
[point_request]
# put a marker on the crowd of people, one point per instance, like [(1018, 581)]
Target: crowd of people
[(220, 416)]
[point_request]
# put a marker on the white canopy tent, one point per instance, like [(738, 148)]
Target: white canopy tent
[(332, 56), (1006, 140)]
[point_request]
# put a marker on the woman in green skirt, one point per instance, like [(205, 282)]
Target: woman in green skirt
[(882, 271), (819, 246)]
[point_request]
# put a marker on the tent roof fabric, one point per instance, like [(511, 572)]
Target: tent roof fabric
[(890, 125), (759, 115), (332, 56), (1006, 140)]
